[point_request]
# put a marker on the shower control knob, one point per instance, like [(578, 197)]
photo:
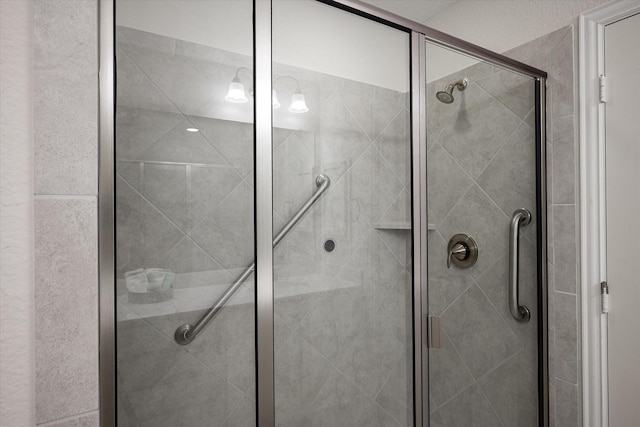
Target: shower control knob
[(459, 251), (462, 251)]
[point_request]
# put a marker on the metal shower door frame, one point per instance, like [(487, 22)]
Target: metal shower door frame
[(419, 35)]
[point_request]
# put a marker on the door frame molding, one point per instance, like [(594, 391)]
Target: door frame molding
[(593, 208)]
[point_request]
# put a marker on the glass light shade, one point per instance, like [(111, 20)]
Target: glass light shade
[(236, 92), (274, 99), (298, 104)]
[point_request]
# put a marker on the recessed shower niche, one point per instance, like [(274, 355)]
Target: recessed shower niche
[(282, 211)]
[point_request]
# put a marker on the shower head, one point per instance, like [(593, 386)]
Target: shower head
[(446, 95)]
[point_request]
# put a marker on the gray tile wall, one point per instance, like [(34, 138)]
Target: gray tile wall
[(65, 134), (556, 53), (342, 318), (480, 169)]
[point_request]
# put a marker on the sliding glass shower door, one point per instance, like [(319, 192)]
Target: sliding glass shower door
[(483, 243), (184, 213), (343, 306)]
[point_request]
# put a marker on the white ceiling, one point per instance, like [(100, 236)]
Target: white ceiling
[(416, 10)]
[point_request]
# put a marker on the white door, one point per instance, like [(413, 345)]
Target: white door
[(622, 68)]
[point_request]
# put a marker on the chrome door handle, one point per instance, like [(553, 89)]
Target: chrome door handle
[(519, 312)]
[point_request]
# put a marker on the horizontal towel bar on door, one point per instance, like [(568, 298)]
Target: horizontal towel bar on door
[(186, 333)]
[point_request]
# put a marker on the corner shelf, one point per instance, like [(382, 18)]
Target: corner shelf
[(398, 225)]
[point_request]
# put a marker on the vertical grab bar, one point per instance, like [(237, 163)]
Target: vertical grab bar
[(519, 312)]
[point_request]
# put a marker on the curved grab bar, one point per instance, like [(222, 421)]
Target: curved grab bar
[(186, 333), (519, 312)]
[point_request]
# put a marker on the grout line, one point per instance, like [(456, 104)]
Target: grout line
[(565, 381), (142, 196), (565, 293), (184, 115), (191, 120), (153, 83), (345, 377), (490, 404), (444, 219), (490, 301), (184, 233), (563, 117), (457, 353), (353, 116), (397, 197), (334, 277), (502, 104), (495, 204), (377, 140), (69, 418), (393, 254), (457, 163), (473, 283), (455, 396), (504, 362), (388, 164), (508, 140), (91, 197)]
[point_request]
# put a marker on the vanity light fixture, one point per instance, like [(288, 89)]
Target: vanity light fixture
[(237, 94), (298, 104)]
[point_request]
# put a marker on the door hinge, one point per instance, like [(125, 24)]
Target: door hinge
[(604, 294), (603, 88)]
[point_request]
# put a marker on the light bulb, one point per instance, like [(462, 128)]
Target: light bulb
[(236, 92), (298, 104)]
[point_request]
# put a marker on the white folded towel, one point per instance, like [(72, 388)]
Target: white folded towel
[(160, 279), (137, 281), (149, 285)]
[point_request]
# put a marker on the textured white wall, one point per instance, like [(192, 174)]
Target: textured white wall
[(306, 34), (500, 25), (497, 25), (17, 395)]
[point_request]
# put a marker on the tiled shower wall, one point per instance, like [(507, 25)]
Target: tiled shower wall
[(66, 98), (556, 53), (341, 317), (481, 168)]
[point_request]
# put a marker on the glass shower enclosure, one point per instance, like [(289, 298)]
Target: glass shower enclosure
[(322, 215)]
